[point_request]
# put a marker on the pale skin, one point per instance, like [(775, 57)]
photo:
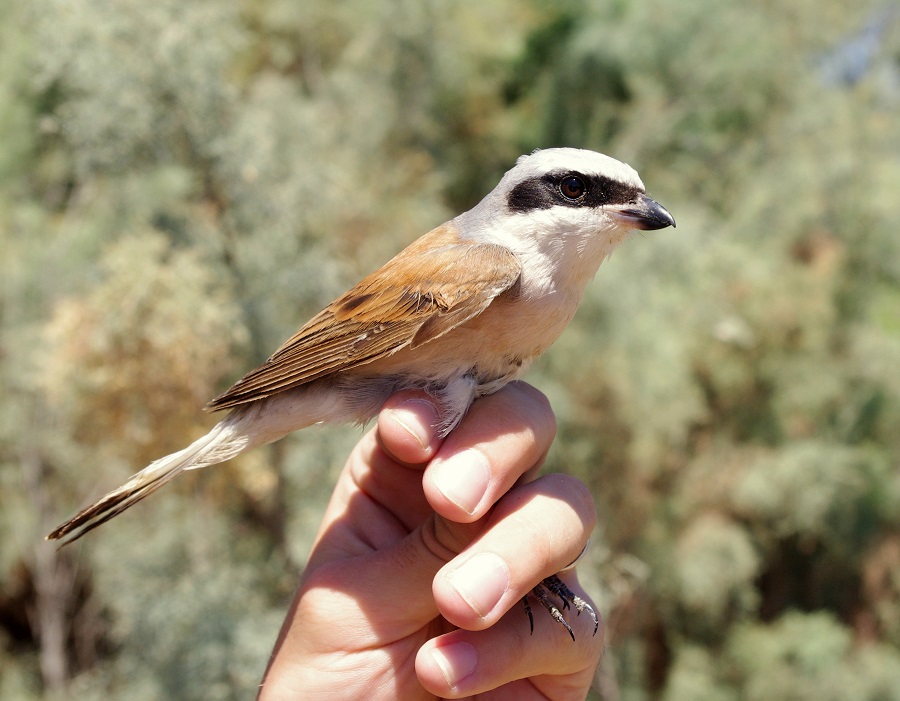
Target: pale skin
[(413, 587)]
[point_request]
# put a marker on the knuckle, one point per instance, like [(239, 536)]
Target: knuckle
[(539, 411), (443, 540), (577, 496)]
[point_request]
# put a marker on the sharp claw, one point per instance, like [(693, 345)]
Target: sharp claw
[(540, 593), (582, 605), (528, 611), (568, 600)]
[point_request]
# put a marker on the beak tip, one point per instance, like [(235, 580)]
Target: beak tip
[(655, 216), (646, 215)]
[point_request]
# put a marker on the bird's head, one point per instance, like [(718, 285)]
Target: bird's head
[(562, 211), (565, 193)]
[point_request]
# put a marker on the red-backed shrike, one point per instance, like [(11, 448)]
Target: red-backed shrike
[(459, 313)]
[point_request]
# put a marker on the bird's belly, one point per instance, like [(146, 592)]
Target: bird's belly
[(473, 360), (494, 348)]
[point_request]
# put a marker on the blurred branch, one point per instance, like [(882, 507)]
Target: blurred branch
[(54, 577)]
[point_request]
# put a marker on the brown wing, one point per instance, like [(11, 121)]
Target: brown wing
[(431, 287)]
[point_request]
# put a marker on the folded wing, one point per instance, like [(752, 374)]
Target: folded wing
[(430, 288)]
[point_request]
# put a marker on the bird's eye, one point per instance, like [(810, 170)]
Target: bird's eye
[(572, 187)]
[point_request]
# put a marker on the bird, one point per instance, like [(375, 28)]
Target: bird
[(459, 313)]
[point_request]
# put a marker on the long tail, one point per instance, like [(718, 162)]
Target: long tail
[(223, 442)]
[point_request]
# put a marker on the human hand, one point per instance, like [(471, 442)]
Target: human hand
[(413, 586)]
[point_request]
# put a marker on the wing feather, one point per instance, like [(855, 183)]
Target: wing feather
[(430, 288)]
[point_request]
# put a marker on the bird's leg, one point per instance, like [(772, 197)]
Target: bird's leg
[(554, 585)]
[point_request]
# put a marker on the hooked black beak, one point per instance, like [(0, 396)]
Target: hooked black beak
[(645, 214)]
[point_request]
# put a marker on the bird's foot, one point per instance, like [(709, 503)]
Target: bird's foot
[(554, 585)]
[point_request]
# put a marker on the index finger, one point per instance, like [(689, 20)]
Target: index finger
[(502, 438)]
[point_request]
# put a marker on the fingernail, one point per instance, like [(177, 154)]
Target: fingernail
[(456, 661), (481, 581), (463, 478), (408, 416)]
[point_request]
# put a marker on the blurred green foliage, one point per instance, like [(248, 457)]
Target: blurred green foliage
[(183, 184)]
